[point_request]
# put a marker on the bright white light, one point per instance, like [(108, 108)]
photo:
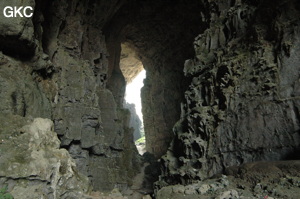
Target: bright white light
[(133, 92)]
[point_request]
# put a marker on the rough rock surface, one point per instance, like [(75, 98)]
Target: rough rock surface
[(130, 65), (54, 65), (135, 121), (88, 118), (242, 87), (250, 181), (17, 31), (22, 93), (242, 104), (35, 167)]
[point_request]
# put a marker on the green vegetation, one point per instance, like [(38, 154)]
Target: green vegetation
[(141, 140), (4, 194)]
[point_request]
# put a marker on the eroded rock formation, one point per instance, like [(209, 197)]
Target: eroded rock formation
[(237, 99), (242, 104), (253, 180), (62, 76), (88, 117), (130, 64), (35, 167)]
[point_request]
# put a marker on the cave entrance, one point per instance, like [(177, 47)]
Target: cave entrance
[(159, 34), (134, 73)]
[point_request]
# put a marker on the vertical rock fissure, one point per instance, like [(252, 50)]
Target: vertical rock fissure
[(133, 103)]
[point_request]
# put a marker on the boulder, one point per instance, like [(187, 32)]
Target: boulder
[(36, 167)]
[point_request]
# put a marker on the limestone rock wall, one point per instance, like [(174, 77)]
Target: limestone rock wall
[(130, 64), (242, 104), (242, 87), (36, 167), (161, 99), (17, 31), (55, 65), (24, 89), (135, 121), (87, 116), (22, 93)]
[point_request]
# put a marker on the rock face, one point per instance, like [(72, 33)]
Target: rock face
[(242, 104), (88, 117), (237, 99), (35, 167), (130, 65), (22, 93), (135, 121), (54, 65), (252, 180), (17, 31)]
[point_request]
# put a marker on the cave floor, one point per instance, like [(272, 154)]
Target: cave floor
[(258, 180)]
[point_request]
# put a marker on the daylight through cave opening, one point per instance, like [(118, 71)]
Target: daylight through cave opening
[(133, 103), (222, 93), (134, 74), (162, 44)]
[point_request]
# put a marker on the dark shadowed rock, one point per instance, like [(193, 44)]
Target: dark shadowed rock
[(17, 33), (242, 103), (233, 99)]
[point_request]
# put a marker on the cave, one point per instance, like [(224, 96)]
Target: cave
[(151, 34), (134, 74), (220, 100)]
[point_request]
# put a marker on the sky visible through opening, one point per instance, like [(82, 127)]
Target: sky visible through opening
[(133, 93)]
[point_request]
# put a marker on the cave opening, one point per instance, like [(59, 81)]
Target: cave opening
[(134, 74), (162, 44), (133, 96), (137, 38), (133, 103), (234, 101)]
